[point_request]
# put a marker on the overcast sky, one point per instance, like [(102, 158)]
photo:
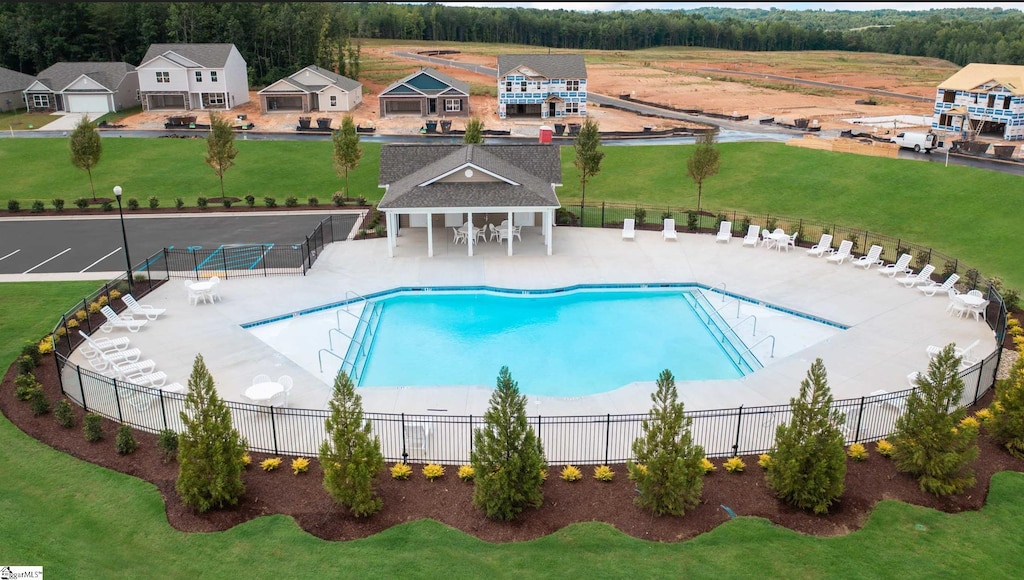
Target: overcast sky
[(612, 6)]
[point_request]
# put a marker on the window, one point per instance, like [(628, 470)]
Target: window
[(334, 100), (215, 99), (452, 105), (213, 76), (1006, 103), (163, 77), (572, 85), (522, 86), (199, 76), (572, 108), (508, 86), (949, 96), (138, 95), (41, 101), (991, 101)]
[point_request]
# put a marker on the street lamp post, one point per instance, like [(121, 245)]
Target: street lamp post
[(124, 236)]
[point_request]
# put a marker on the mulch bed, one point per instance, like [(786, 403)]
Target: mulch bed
[(449, 500)]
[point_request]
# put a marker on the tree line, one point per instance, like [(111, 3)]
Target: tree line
[(277, 38)]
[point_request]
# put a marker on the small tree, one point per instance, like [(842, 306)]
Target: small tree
[(671, 480), (220, 147), (808, 465), (350, 456), (209, 449), (703, 163), (588, 155), (474, 132), (507, 457), (86, 148), (347, 151), (931, 444), (1007, 425)]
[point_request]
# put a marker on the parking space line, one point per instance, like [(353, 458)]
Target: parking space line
[(100, 260), (11, 254), (46, 260)]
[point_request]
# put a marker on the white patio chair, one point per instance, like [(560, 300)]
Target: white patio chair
[(286, 382), (823, 246), (116, 321), (933, 289), (766, 239), (94, 346), (260, 379), (481, 233), (873, 257), (493, 234), (459, 236), (900, 266), (215, 289), (791, 242), (668, 229), (922, 277), (629, 229), (143, 310), (752, 237), (279, 399), (417, 438), (842, 254), (724, 232)]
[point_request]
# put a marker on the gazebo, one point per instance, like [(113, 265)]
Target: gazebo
[(461, 184)]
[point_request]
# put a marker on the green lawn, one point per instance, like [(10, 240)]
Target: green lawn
[(22, 120)]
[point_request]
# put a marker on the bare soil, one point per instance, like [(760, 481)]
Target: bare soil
[(449, 500)]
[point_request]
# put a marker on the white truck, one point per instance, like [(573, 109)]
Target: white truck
[(917, 141)]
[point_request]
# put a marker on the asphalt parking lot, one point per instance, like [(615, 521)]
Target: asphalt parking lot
[(92, 247)]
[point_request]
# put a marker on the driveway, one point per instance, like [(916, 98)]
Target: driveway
[(68, 121)]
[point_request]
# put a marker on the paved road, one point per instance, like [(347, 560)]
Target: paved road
[(88, 247)]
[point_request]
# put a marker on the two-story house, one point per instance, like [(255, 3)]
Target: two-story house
[(193, 76), (982, 99), (542, 85)]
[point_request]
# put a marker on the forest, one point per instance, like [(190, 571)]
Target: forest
[(276, 38)]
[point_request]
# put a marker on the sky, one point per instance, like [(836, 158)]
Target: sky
[(613, 6)]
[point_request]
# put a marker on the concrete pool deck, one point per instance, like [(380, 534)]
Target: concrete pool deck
[(890, 326)]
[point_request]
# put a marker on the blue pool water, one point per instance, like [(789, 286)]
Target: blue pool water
[(566, 344)]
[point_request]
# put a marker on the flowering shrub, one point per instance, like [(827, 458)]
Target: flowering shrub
[(543, 474), (857, 452), (884, 448), (114, 294), (983, 416), (734, 465), (401, 471), (636, 471), (603, 473), (270, 464), (246, 459), (970, 423), (432, 471), (81, 315), (46, 345), (94, 307), (300, 465), (72, 323), (102, 301), (466, 473), (707, 466), (571, 473), (764, 460)]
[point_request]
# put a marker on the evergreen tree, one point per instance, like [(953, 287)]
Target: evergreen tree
[(474, 132), (930, 442), (703, 163), (1008, 411), (347, 151), (220, 147), (588, 155), (671, 480), (210, 450), (507, 457), (86, 148), (808, 466), (350, 456)]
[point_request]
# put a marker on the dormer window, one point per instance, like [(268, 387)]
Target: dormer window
[(163, 77), (199, 76)]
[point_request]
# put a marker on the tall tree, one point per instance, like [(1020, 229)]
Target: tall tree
[(703, 163), (588, 155), (671, 479), (474, 131), (86, 148), (507, 456), (808, 466), (931, 443), (210, 450), (347, 151), (220, 147), (350, 456), (1008, 409)]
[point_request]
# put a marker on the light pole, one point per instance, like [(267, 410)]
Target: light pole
[(124, 236)]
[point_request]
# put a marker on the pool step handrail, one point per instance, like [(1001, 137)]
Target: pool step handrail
[(320, 356), (771, 336), (749, 316), (724, 304), (723, 340), (330, 338)]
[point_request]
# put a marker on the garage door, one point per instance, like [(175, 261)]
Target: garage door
[(87, 104)]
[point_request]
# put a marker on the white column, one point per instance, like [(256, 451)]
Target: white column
[(430, 235), (470, 238), (388, 218), (509, 232), (549, 218)]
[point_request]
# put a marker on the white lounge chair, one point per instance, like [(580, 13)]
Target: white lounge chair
[(668, 230), (933, 288), (922, 277), (96, 352), (286, 382), (94, 346), (115, 321), (823, 246), (629, 229), (121, 369), (417, 437), (752, 237), (873, 257), (966, 354), (843, 253), (900, 266), (143, 310), (260, 379), (724, 232)]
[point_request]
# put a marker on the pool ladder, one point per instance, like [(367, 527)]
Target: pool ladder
[(723, 340), (361, 337)]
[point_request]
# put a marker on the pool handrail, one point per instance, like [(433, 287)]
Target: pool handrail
[(319, 355), (749, 316), (771, 336)]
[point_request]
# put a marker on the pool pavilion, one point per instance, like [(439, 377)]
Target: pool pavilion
[(469, 188)]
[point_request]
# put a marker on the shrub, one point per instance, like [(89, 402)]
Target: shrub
[(31, 350), (350, 455), (636, 471), (300, 465), (857, 452), (63, 414), (107, 206), (269, 202), (133, 204), (313, 202), (571, 473), (246, 460), (38, 206), (433, 471), (360, 200), (26, 364), (92, 427), (57, 203), (154, 202), (226, 201), (13, 205), (202, 202), (734, 465), (103, 300), (72, 323), (983, 416), (707, 466), (691, 221), (970, 423), (270, 464), (25, 385), (250, 200), (40, 404), (46, 345), (291, 201), (114, 293), (855, 239), (82, 203), (771, 224), (603, 473), (81, 315), (764, 460), (1011, 297), (167, 443), (400, 471), (338, 199), (640, 215), (543, 474), (179, 203), (666, 215), (884, 448), (466, 473), (125, 440), (1007, 412)]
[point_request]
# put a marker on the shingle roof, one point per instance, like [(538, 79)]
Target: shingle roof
[(452, 82), (12, 80), (206, 55), (533, 169), (976, 74), (552, 66), (108, 74), (339, 81)]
